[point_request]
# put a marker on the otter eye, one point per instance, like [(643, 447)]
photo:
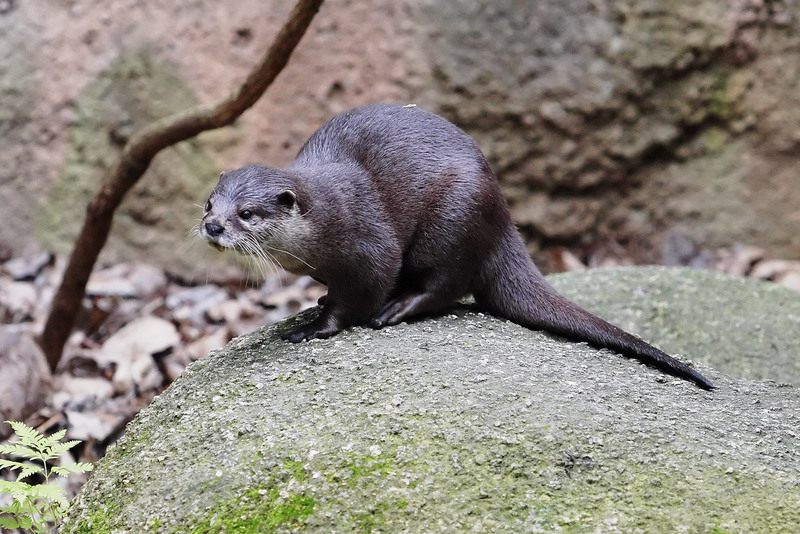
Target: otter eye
[(208, 205), (245, 214)]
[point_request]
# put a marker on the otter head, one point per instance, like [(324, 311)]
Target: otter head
[(255, 211)]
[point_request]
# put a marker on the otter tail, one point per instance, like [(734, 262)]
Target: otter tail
[(511, 286)]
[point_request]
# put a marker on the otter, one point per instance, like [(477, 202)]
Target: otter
[(398, 212)]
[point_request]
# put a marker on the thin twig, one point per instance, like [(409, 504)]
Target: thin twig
[(136, 157)]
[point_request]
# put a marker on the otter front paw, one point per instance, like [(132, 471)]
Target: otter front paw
[(318, 328)]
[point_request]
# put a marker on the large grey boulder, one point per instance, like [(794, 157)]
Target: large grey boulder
[(462, 422)]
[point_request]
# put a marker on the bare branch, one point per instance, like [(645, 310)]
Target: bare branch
[(136, 157)]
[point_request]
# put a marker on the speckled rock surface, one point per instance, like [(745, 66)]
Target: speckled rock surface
[(744, 328), (458, 423)]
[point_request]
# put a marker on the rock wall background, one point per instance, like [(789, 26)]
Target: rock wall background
[(605, 119)]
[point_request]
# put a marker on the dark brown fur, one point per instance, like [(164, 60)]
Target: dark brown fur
[(398, 212)]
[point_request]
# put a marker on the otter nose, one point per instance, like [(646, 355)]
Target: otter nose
[(213, 229)]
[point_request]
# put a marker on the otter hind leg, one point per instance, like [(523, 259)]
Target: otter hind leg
[(433, 294), (399, 309)]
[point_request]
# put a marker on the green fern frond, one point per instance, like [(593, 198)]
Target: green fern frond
[(49, 492), (58, 449), (9, 522), (35, 507), (15, 449), (28, 436), (11, 464), (21, 514), (26, 522), (28, 470), (25, 467), (57, 436), (12, 488), (66, 470), (18, 491)]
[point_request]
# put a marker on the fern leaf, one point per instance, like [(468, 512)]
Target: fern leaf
[(8, 521), (49, 492), (66, 470), (18, 514), (6, 486), (24, 521), (10, 464), (58, 449), (56, 436), (14, 508), (28, 436), (19, 491), (28, 470), (15, 449)]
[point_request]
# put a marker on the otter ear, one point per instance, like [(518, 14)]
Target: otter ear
[(287, 198)]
